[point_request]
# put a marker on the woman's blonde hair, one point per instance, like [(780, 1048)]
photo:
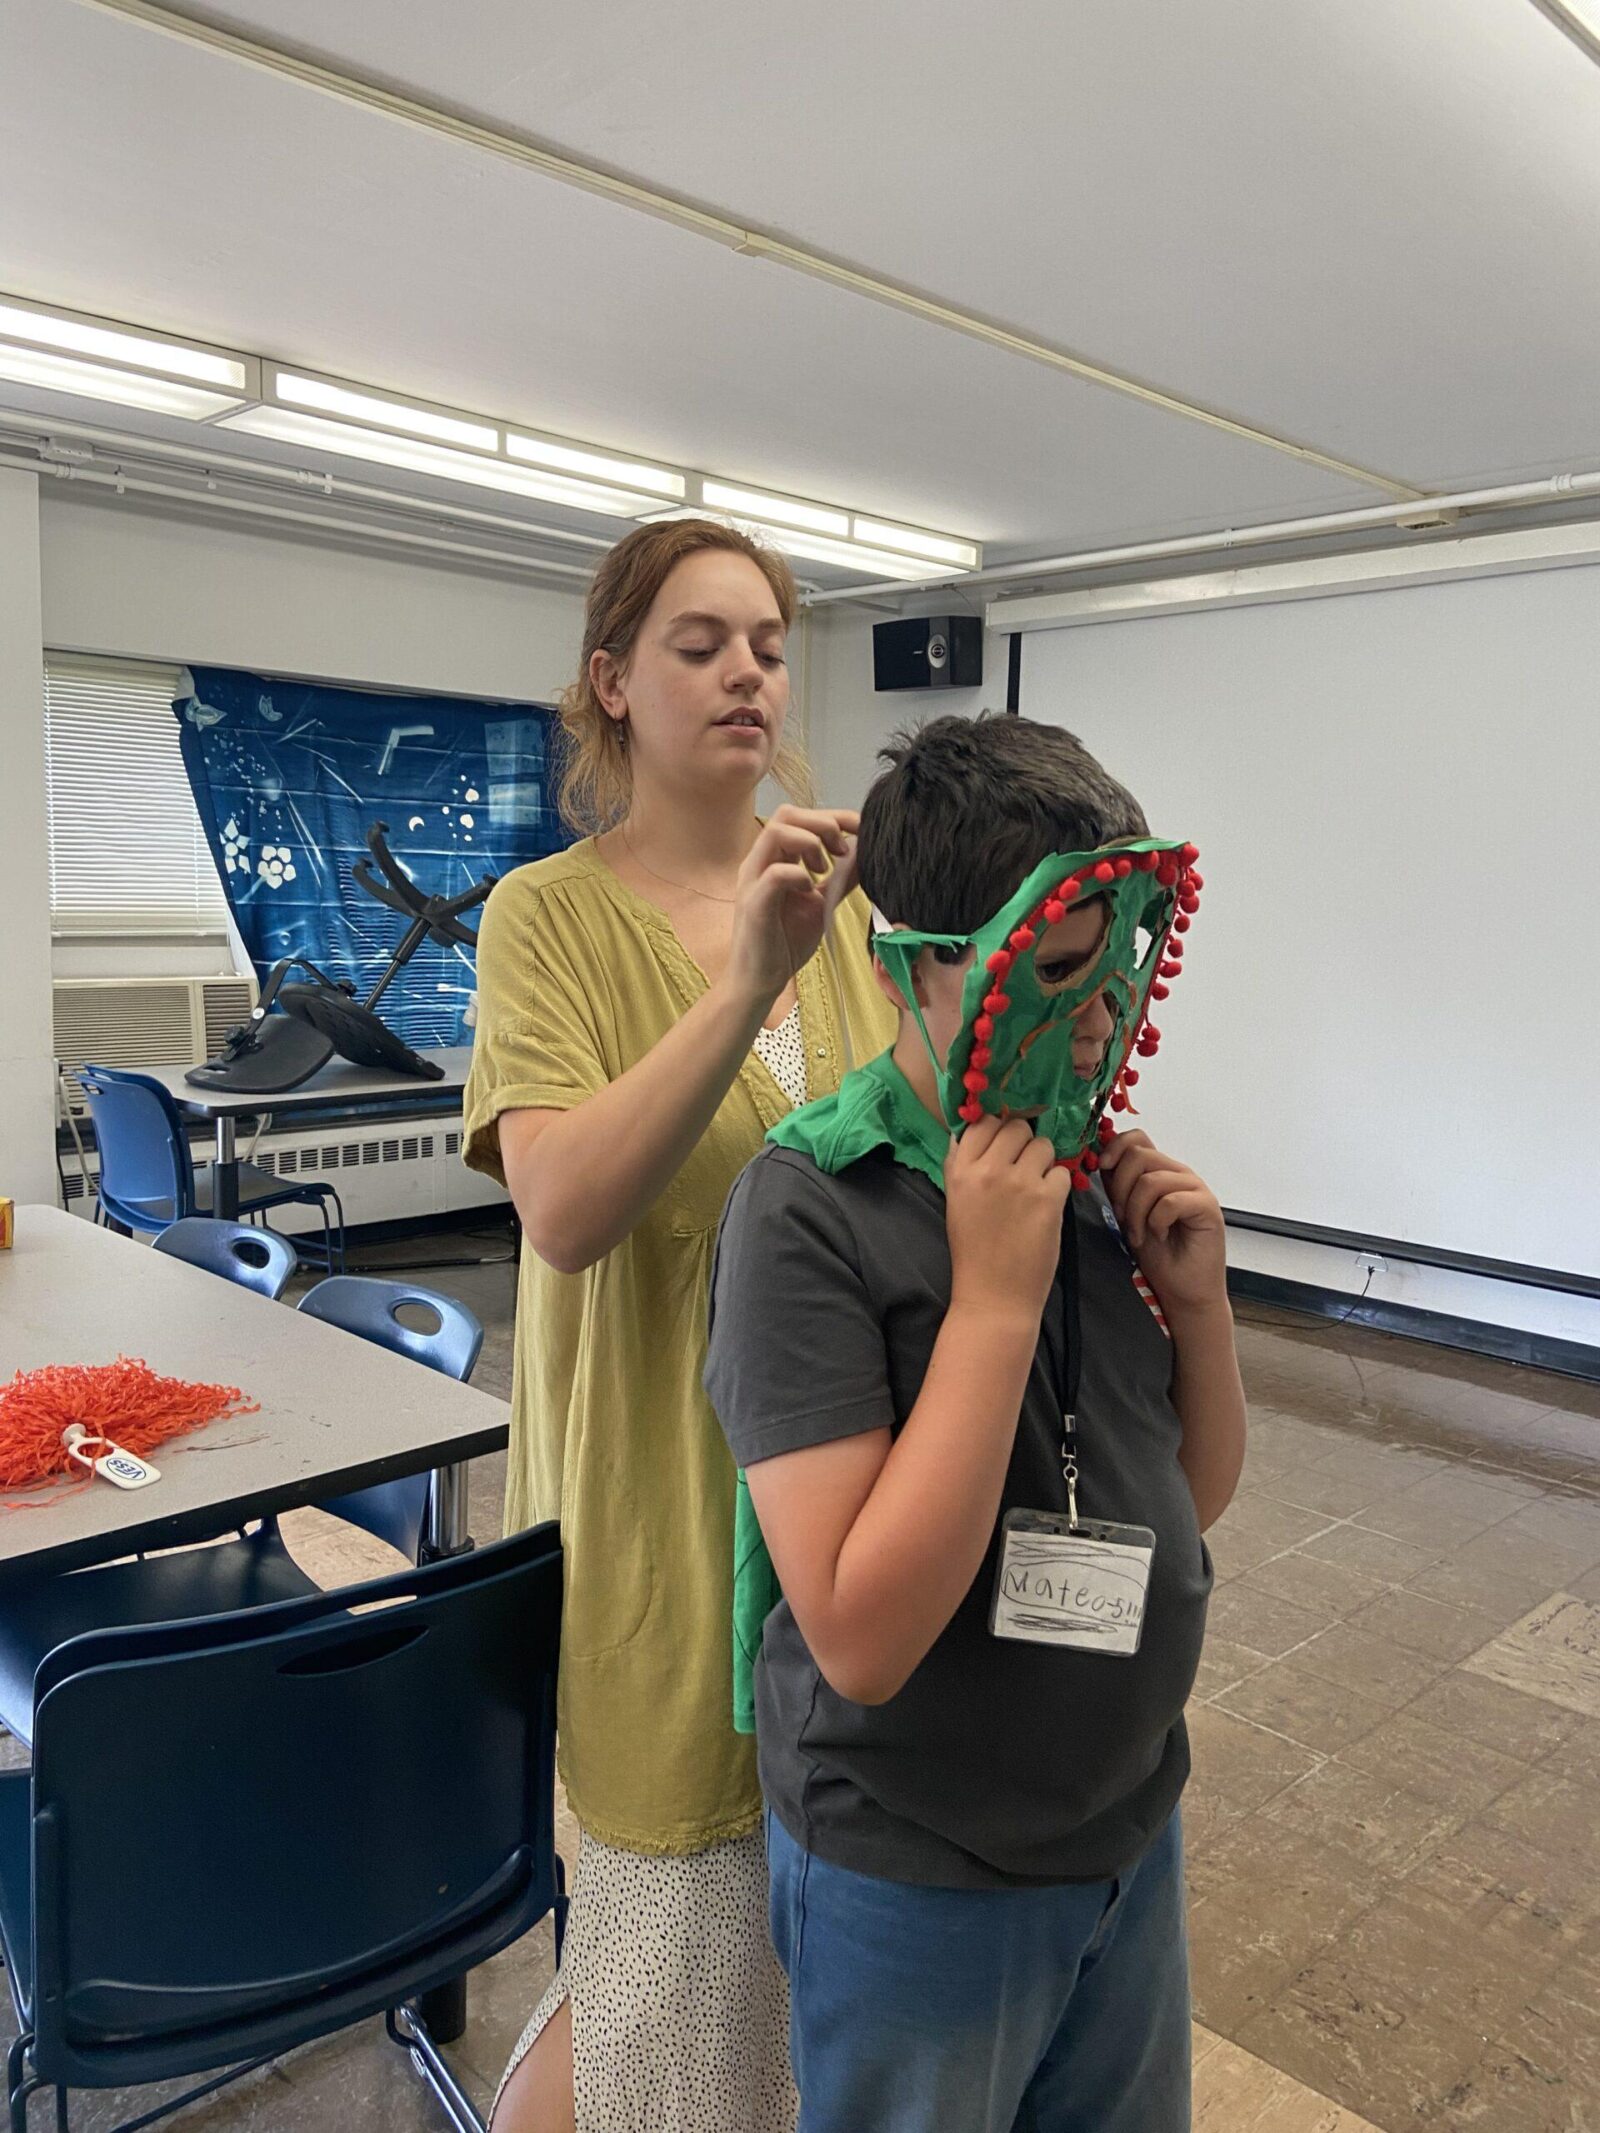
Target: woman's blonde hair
[(596, 778)]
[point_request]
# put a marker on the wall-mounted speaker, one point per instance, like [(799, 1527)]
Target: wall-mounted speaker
[(928, 652)]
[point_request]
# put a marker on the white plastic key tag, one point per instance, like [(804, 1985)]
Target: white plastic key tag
[(1080, 1585), (125, 1469)]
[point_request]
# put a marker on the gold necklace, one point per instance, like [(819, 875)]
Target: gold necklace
[(687, 887)]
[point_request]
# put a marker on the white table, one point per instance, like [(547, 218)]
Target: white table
[(337, 1083), (336, 1412)]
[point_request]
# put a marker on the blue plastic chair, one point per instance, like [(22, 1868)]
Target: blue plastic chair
[(147, 1179), (396, 1511), (256, 1259), (245, 1833)]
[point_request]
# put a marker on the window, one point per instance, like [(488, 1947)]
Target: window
[(127, 853)]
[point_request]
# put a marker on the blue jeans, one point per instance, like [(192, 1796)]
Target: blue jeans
[(924, 2010)]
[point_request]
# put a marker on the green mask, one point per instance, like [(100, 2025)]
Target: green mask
[(1013, 1052)]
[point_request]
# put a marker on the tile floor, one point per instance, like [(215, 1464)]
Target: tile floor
[(1394, 1843)]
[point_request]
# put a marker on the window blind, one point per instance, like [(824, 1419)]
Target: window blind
[(127, 853)]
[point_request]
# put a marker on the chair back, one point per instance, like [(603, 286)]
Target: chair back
[(395, 1510), (252, 1830), (146, 1177), (256, 1259), (369, 1307)]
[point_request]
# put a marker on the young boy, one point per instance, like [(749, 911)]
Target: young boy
[(917, 1345)]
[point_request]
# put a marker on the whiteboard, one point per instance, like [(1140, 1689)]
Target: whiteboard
[(1390, 1017)]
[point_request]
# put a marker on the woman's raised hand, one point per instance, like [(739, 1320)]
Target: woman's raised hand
[(793, 877)]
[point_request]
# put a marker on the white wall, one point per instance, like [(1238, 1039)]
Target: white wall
[(119, 579), (27, 1074), (848, 723)]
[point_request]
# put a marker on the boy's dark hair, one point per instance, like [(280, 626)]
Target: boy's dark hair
[(970, 806)]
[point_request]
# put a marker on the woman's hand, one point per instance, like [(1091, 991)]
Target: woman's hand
[(794, 875), (1172, 1223)]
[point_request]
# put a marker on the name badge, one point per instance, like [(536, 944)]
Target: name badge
[(1081, 1587)]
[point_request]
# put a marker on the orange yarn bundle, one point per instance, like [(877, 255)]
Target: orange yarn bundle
[(125, 1400)]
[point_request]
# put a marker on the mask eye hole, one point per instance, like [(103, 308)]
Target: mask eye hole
[(951, 956)]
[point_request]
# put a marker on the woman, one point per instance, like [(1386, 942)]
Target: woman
[(651, 1001)]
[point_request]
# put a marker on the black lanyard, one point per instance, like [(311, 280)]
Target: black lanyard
[(1071, 1356)]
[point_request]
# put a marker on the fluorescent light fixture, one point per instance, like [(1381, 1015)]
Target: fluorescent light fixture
[(68, 352), (319, 435), (935, 547), (775, 510), (98, 381), (80, 336), (810, 547), (568, 459), (300, 391)]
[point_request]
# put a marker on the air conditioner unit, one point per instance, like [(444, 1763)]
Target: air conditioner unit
[(140, 1022)]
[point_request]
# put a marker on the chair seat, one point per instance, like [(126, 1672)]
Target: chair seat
[(252, 1571), (257, 1188)]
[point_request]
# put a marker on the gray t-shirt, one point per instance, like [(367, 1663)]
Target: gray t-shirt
[(999, 1764)]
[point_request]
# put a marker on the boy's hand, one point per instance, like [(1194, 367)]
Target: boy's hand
[(1172, 1223), (1003, 1209)]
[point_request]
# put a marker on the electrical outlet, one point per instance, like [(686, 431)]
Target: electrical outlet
[(1370, 1265)]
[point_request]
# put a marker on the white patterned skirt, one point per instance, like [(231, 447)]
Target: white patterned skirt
[(680, 2012)]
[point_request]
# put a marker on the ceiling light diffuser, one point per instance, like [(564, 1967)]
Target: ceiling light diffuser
[(300, 391), (111, 344), (936, 547), (573, 459), (776, 510), (100, 381), (418, 457)]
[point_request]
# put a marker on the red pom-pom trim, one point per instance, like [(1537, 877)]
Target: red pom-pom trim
[(1122, 868), (1023, 939), (1158, 991), (1119, 1102), (1000, 962), (1131, 1076), (1189, 854), (983, 1028), (1181, 923), (1147, 862), (1080, 1182), (974, 1082), (971, 1111), (1167, 875), (981, 1056), (1054, 911), (1090, 1161), (1105, 871), (995, 1003)]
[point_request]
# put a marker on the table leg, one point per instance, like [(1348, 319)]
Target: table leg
[(225, 1172), (445, 1533)]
